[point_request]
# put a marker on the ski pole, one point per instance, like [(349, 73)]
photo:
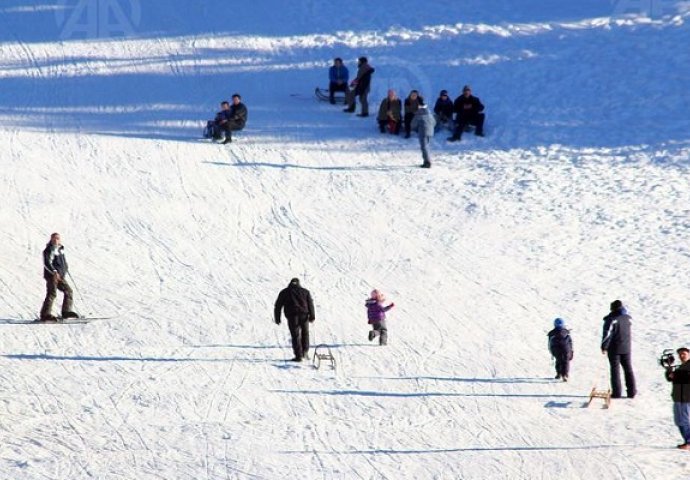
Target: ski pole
[(71, 278)]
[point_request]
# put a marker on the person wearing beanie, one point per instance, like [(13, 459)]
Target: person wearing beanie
[(616, 342), (424, 124), (561, 348), (376, 315), (680, 377), (468, 111), (360, 88), (443, 110), (298, 306)]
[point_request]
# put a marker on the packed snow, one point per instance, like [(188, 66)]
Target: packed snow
[(578, 195)]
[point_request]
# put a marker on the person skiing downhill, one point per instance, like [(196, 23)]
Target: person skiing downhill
[(55, 270), (376, 313), (561, 347), (299, 311)]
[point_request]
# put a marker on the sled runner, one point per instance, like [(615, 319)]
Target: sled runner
[(322, 353), (323, 94)]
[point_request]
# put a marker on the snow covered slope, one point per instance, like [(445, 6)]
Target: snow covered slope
[(578, 195)]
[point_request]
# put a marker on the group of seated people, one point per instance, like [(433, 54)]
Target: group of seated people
[(467, 110), (230, 118)]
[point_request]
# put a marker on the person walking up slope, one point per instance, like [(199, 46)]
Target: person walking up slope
[(616, 342), (299, 311), (376, 313), (561, 347)]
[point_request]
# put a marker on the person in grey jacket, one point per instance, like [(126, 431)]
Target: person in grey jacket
[(681, 395), (616, 342), (424, 123)]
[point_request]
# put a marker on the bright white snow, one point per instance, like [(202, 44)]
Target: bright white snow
[(578, 195)]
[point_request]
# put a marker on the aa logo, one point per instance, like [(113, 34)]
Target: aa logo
[(97, 18)]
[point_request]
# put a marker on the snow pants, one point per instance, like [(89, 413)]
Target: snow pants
[(563, 365), (299, 332), (617, 360), (681, 417), (334, 87), (51, 293), (229, 127), (381, 331), (424, 145), (476, 120)]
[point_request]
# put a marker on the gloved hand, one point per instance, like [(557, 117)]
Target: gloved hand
[(277, 320), (311, 320), (392, 304)]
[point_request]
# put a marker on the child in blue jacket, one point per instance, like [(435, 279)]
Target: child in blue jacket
[(561, 347)]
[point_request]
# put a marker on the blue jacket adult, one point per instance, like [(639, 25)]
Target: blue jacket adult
[(338, 74), (616, 334), (54, 261), (423, 122)]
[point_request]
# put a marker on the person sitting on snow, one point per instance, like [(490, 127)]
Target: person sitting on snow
[(390, 113), (561, 347), (468, 111), (338, 76), (231, 118), (443, 111), (412, 103)]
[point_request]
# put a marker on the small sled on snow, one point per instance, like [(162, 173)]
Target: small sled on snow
[(322, 353), (324, 95), (605, 395)]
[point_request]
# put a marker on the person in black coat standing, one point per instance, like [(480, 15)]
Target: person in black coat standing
[(468, 111), (299, 311), (616, 342), (55, 270)]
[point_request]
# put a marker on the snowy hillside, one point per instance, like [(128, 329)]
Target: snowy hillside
[(578, 195)]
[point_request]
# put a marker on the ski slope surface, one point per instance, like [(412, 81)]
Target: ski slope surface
[(578, 195)]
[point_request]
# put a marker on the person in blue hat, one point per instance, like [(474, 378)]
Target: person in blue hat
[(561, 347)]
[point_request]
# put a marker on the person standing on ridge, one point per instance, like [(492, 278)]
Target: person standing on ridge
[(55, 270), (360, 88), (299, 311)]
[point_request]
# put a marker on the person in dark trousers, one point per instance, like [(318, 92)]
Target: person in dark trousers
[(299, 311), (561, 347), (616, 343), (338, 76), (681, 395), (232, 117), (360, 88), (468, 111), (443, 110), (412, 103), (423, 123), (390, 114), (376, 316), (54, 272)]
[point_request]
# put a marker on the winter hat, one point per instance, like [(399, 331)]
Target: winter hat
[(466, 88), (363, 60), (683, 349), (559, 323), (615, 305), (295, 282), (443, 92)]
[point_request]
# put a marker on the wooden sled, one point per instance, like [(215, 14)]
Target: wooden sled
[(322, 353), (603, 394)]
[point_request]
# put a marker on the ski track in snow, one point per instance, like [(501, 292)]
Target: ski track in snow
[(578, 195)]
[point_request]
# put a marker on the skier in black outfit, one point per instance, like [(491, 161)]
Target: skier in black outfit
[(55, 270), (468, 111), (616, 342), (561, 347), (299, 311)]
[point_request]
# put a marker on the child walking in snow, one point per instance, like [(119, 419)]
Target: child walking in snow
[(561, 347), (376, 313)]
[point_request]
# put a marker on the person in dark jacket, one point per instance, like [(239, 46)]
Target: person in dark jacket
[(55, 270), (616, 342), (338, 76), (360, 88), (561, 347), (232, 117), (298, 306), (376, 315), (390, 113), (681, 395), (412, 103), (468, 111), (443, 110)]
